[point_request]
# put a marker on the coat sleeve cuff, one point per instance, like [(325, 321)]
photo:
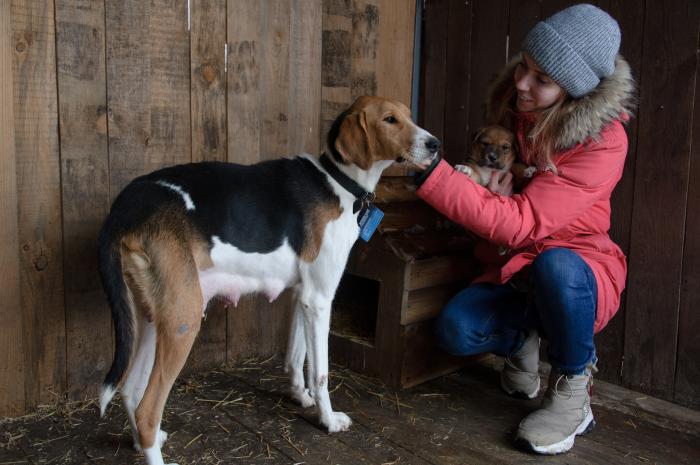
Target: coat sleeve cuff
[(432, 178), (420, 178)]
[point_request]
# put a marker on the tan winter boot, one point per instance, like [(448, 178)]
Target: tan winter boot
[(520, 377), (564, 414)]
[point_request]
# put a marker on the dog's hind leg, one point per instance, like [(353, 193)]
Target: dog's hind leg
[(139, 279), (169, 283), (175, 336), (296, 353), (137, 378)]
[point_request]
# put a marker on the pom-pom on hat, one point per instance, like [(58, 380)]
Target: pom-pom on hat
[(576, 47)]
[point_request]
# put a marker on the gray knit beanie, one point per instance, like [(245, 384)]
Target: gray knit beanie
[(575, 47)]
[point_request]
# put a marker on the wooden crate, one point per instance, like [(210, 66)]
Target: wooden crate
[(393, 288)]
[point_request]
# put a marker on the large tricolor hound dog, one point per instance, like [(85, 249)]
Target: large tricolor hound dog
[(181, 235)]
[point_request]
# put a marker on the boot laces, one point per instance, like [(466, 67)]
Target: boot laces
[(556, 386), (511, 364), (519, 370)]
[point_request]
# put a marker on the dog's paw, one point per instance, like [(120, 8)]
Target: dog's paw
[(464, 169), (530, 171), (338, 422), (162, 437), (303, 397)]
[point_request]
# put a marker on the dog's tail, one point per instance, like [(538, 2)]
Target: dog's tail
[(122, 313)]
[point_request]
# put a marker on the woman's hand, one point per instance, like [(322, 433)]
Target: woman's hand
[(504, 187), (425, 164), (423, 170)]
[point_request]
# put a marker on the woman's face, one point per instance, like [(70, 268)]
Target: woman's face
[(536, 90)]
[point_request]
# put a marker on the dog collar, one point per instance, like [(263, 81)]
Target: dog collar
[(362, 197)]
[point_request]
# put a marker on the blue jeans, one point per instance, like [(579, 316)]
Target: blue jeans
[(560, 304)]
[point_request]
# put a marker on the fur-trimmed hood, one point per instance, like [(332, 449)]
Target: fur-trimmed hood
[(582, 118)]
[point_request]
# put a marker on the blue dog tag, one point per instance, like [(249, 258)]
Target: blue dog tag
[(369, 219)]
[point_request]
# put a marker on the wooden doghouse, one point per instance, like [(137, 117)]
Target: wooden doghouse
[(395, 285)]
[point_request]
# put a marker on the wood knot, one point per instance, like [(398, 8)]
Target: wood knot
[(41, 262), (101, 124), (209, 73), (23, 42)]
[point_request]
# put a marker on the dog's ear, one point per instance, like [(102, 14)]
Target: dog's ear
[(476, 134), (352, 142), (475, 149)]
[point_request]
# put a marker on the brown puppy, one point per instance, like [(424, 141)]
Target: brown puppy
[(494, 149)]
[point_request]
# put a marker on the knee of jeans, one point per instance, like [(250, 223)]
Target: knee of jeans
[(560, 277), (455, 336), (557, 266)]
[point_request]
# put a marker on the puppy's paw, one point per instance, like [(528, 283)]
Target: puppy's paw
[(464, 169), (303, 397), (337, 422), (530, 171)]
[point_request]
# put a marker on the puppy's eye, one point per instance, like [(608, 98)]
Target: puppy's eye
[(506, 148), (390, 119)]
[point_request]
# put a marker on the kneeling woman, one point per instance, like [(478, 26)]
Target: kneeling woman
[(552, 269)]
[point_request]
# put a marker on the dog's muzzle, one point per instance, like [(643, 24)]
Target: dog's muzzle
[(433, 145), (424, 150)]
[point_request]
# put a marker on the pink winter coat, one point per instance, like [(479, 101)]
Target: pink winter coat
[(569, 209)]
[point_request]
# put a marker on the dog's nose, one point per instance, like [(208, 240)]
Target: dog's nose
[(432, 144), (492, 156)]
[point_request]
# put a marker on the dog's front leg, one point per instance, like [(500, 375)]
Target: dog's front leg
[(317, 313), (296, 352)]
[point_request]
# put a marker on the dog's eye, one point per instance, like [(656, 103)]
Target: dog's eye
[(506, 148), (390, 119)]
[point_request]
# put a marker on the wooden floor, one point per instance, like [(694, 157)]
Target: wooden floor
[(241, 415)]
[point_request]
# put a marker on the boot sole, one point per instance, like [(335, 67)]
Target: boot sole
[(521, 394), (560, 447)]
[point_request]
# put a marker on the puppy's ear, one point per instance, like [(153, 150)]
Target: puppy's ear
[(476, 148), (352, 142), (478, 133)]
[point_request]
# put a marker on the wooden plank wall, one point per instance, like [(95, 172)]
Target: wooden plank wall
[(209, 143), (81, 75), (11, 340), (95, 93), (38, 175), (652, 344), (367, 51)]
